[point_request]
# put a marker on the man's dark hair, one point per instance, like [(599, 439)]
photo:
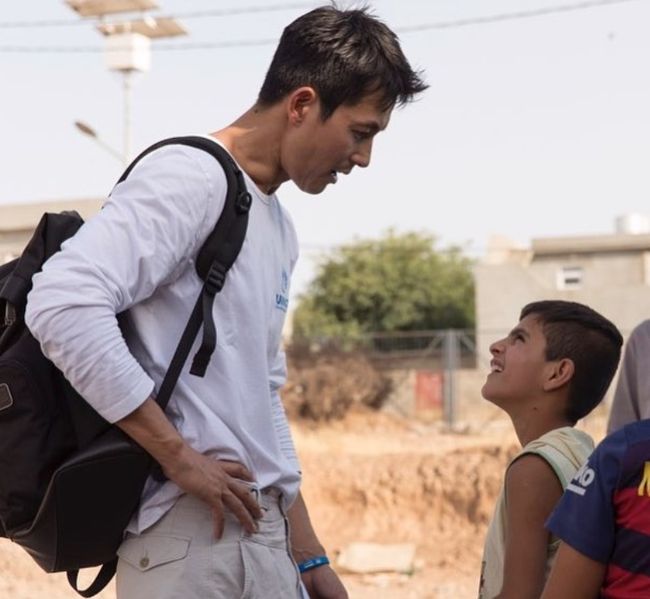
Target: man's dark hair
[(344, 55), (592, 342)]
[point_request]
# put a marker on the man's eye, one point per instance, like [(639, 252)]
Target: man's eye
[(360, 135)]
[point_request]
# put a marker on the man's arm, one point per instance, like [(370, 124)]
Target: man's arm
[(213, 481), (532, 490), (574, 576), (321, 582)]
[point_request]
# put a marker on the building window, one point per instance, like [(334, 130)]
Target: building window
[(570, 277)]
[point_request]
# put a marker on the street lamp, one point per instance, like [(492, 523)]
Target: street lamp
[(128, 44), (90, 132)]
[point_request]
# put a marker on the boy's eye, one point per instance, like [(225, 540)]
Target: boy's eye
[(360, 135)]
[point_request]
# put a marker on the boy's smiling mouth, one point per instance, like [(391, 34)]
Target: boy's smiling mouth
[(495, 366)]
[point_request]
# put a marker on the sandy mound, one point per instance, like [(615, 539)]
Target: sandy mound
[(372, 478)]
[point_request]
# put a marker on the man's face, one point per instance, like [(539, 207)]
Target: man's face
[(318, 151), (518, 364)]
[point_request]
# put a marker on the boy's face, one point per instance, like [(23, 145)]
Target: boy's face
[(317, 151), (518, 364)]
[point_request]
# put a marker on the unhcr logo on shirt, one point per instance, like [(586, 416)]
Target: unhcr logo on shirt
[(281, 299)]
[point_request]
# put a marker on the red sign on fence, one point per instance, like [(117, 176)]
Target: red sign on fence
[(428, 390)]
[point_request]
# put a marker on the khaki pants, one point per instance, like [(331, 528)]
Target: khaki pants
[(179, 557)]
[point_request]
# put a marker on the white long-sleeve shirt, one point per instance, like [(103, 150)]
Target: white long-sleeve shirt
[(138, 254)]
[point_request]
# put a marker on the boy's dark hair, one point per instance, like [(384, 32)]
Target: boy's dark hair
[(592, 342), (344, 55)]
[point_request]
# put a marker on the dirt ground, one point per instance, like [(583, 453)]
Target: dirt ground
[(375, 478)]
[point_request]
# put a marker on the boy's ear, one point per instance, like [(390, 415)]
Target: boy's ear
[(300, 101), (560, 373)]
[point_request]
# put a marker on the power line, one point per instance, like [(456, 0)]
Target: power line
[(244, 10), (512, 16), (98, 49), (222, 12), (456, 24)]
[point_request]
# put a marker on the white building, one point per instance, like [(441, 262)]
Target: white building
[(17, 221)]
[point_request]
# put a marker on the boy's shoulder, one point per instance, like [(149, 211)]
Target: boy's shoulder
[(633, 433), (633, 438), (560, 437), (566, 439), (624, 450), (560, 452)]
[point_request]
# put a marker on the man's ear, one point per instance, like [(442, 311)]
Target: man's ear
[(559, 373), (299, 102)]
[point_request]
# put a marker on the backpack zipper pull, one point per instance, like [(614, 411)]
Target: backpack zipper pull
[(10, 314)]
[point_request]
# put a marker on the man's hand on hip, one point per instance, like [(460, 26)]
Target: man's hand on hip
[(219, 484)]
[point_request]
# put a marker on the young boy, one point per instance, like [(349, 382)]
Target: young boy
[(603, 520), (551, 370)]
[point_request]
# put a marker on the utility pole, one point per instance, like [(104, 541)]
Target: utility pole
[(127, 45), (452, 361)]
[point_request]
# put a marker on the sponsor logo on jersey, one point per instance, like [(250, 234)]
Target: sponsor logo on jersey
[(644, 487), (583, 478)]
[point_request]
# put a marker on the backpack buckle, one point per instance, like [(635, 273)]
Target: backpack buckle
[(215, 279), (6, 399), (243, 202)]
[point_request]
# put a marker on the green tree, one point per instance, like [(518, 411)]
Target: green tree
[(399, 282)]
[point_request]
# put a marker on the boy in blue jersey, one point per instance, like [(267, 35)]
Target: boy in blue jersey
[(551, 370), (603, 520)]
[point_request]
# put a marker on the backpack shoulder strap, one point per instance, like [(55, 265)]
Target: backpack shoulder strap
[(106, 572), (227, 237), (216, 256)]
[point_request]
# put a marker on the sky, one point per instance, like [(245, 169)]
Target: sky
[(531, 127)]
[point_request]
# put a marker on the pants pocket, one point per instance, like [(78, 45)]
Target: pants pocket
[(269, 572), (150, 566)]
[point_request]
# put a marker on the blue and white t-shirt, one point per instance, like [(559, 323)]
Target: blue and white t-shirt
[(605, 511)]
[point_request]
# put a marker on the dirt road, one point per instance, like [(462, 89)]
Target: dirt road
[(378, 479)]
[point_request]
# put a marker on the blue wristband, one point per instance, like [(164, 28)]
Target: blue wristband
[(312, 563)]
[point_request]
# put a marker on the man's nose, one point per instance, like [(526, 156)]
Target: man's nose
[(361, 157)]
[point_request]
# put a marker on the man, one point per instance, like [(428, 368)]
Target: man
[(216, 527)]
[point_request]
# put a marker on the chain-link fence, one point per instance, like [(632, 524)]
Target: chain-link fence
[(435, 372)]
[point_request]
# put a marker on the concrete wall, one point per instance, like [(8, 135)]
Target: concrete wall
[(615, 284)]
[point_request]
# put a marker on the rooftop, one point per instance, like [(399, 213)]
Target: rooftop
[(589, 244)]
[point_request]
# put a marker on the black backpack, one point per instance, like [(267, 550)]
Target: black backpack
[(70, 481)]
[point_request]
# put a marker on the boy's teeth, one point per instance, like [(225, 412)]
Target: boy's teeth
[(335, 175)]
